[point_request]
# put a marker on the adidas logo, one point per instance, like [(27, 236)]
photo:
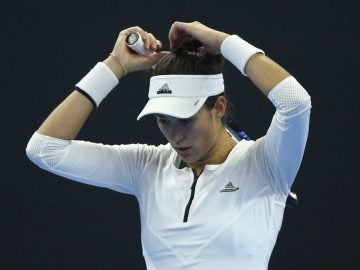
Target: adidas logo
[(229, 188), (164, 90)]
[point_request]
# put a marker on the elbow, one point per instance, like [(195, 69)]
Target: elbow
[(309, 102), (300, 98), (304, 99), (304, 104), (45, 151), (33, 151)]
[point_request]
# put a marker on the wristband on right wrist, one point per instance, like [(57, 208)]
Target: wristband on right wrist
[(238, 51), (98, 83)]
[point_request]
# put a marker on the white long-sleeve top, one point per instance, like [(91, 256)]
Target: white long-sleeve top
[(238, 206)]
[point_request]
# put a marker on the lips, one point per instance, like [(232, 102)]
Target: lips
[(182, 150)]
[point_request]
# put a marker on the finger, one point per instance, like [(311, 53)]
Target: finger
[(153, 42), (173, 35), (143, 35), (145, 38), (120, 47), (178, 31), (159, 44), (156, 57), (130, 30), (159, 55), (144, 62), (175, 27)]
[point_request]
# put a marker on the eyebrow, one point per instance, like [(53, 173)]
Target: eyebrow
[(163, 116)]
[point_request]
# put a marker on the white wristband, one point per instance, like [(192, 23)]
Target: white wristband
[(238, 51), (98, 83)]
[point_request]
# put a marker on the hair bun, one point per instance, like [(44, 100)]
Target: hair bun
[(190, 58), (189, 45)]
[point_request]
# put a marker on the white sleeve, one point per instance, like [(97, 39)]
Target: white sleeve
[(112, 166), (285, 140)]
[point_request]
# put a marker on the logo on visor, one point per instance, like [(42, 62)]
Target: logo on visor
[(164, 90)]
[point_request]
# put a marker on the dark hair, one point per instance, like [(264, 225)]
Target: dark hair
[(190, 58)]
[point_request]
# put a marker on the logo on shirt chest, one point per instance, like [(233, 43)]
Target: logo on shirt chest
[(229, 188)]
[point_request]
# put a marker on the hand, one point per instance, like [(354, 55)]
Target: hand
[(131, 60), (210, 38)]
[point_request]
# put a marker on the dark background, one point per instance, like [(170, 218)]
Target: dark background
[(47, 46)]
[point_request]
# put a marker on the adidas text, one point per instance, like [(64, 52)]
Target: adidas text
[(164, 91)]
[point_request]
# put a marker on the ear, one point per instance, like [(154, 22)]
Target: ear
[(220, 107)]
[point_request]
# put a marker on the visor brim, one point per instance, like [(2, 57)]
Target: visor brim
[(178, 107)]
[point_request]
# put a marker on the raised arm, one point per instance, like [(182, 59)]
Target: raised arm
[(261, 70), (67, 119)]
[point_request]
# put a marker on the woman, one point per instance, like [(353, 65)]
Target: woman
[(206, 200)]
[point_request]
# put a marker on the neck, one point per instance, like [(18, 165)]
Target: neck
[(216, 155)]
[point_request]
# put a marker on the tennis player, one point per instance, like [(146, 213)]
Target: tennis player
[(207, 201)]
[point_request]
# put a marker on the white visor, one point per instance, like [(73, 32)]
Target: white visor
[(181, 96)]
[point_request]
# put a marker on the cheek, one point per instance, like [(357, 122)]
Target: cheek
[(203, 134), (163, 131)]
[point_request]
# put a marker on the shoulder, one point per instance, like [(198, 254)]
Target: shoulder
[(248, 153), (241, 148)]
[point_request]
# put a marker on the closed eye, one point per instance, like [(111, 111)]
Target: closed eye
[(163, 121), (166, 120), (186, 120)]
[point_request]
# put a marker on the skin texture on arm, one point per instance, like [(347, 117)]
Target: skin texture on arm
[(264, 72), (67, 119)]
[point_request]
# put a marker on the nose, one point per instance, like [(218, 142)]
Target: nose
[(176, 134)]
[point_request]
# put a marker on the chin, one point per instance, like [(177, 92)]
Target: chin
[(190, 160)]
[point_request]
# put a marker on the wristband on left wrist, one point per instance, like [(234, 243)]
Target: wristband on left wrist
[(98, 83)]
